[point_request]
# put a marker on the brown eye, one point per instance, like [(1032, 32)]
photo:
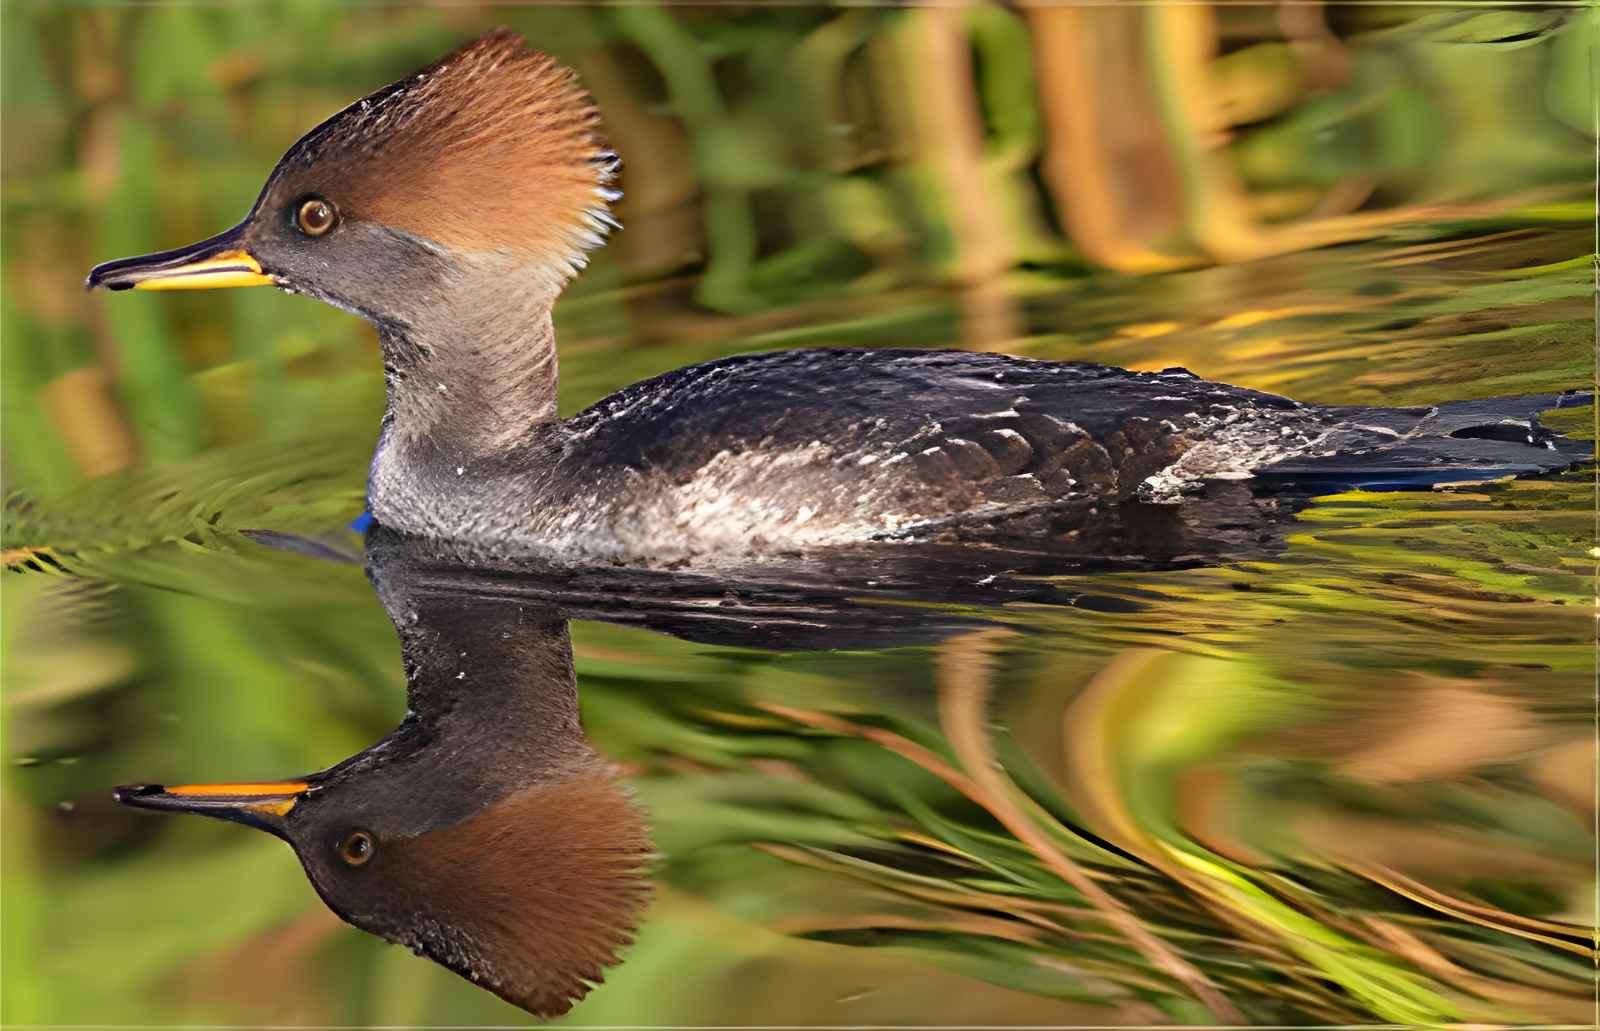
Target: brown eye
[(316, 216), (357, 848)]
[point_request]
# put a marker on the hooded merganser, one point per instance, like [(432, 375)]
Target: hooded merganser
[(484, 832), (451, 208)]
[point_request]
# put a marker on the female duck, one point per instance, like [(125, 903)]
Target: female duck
[(451, 208)]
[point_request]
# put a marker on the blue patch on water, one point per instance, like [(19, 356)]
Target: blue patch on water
[(1398, 480)]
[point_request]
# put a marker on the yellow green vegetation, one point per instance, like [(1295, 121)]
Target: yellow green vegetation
[(1349, 784)]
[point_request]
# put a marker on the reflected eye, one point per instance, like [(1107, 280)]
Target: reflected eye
[(316, 216), (357, 848)]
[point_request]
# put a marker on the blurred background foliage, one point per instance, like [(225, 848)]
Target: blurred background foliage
[(1352, 785)]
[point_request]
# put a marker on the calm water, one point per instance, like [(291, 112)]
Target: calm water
[(1348, 781)]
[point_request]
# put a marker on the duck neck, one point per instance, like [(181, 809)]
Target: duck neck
[(494, 676), (472, 372)]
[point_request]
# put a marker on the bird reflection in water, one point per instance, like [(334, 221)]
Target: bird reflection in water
[(488, 835), (484, 832)]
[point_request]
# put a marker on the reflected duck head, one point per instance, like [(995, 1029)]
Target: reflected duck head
[(484, 832), (530, 896), (486, 164)]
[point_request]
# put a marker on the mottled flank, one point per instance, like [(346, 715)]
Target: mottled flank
[(764, 455), (493, 148)]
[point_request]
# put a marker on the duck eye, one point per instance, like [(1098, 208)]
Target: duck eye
[(357, 848), (316, 216)]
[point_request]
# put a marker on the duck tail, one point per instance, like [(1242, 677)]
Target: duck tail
[(1455, 442)]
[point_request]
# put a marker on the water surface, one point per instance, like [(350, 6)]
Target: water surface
[(1347, 781)]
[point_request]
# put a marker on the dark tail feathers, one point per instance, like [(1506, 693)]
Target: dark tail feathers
[(1410, 448)]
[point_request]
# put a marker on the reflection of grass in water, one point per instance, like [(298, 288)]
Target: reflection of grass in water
[(1300, 931), (1291, 939)]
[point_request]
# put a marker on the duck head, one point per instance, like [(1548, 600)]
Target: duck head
[(531, 896), (449, 209), (489, 157)]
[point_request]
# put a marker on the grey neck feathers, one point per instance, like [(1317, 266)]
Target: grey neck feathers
[(472, 371), (489, 674)]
